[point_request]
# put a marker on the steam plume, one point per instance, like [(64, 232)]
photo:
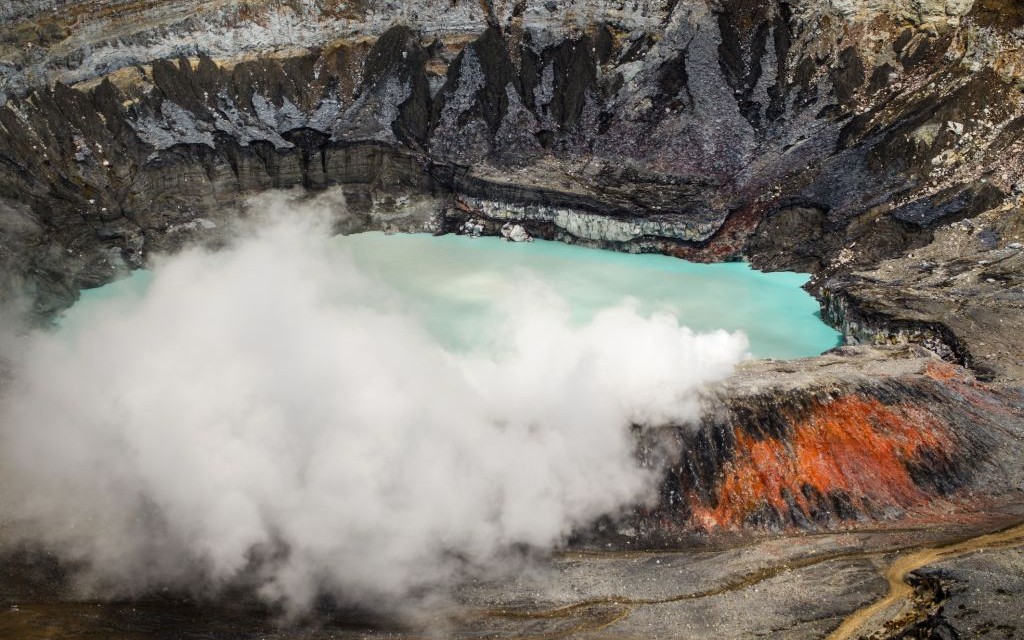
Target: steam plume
[(270, 413)]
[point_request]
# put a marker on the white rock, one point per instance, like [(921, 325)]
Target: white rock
[(926, 134), (515, 233), (946, 158)]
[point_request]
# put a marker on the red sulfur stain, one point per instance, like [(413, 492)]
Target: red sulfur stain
[(854, 445), (942, 371)]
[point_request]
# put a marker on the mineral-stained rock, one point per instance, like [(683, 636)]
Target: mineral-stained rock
[(855, 434)]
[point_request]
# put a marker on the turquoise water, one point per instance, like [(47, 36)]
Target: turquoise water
[(452, 284)]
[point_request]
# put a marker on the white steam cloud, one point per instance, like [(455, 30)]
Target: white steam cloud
[(269, 414)]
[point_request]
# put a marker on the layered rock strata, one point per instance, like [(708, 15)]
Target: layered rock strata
[(824, 136)]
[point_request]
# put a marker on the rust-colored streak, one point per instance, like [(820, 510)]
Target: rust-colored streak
[(942, 371), (854, 446)]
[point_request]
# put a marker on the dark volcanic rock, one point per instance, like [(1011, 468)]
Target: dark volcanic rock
[(978, 595)]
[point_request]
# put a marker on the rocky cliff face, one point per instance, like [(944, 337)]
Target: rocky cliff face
[(876, 143)]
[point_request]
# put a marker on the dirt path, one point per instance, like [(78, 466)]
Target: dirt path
[(592, 615), (896, 574)]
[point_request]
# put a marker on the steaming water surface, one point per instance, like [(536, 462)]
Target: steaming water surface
[(452, 283)]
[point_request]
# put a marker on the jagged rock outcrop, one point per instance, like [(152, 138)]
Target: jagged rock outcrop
[(688, 123)]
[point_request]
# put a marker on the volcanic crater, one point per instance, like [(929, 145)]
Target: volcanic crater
[(878, 145)]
